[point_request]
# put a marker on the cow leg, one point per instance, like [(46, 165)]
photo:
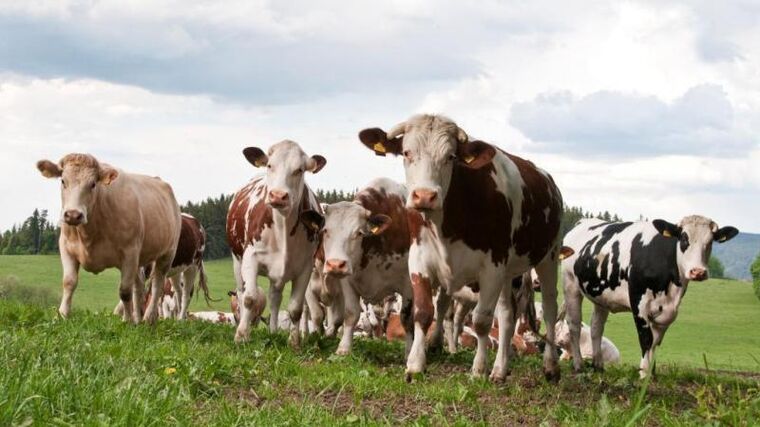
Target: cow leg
[(462, 309), (248, 289), (423, 318), (505, 314), (157, 288), (407, 321), (448, 327), (573, 305), (188, 285), (646, 343), (351, 314), (69, 282), (335, 307), (275, 300), (598, 319), (547, 274), (131, 297), (491, 284), (315, 310), (295, 306), (441, 307)]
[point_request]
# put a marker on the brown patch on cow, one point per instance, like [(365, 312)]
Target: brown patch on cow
[(476, 213), (415, 222), (192, 239), (423, 300), (538, 231), (395, 239), (238, 217), (394, 330)]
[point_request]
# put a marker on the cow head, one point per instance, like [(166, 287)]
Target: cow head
[(431, 146), (346, 224), (695, 236), (82, 178), (285, 165)]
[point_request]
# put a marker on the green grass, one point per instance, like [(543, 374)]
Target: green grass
[(92, 369), (717, 320)]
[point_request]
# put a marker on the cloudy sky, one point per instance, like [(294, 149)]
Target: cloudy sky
[(636, 107)]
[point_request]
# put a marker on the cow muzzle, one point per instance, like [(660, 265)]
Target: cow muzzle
[(698, 274), (336, 267), (424, 199), (74, 217), (279, 199)]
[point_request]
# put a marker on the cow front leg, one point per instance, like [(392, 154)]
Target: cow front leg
[(275, 300), (295, 306), (573, 313), (598, 319), (248, 295), (162, 266), (441, 308), (315, 310), (407, 321), (482, 321), (131, 300), (646, 343), (352, 310), (505, 314), (423, 316), (547, 274), (188, 286), (69, 282)]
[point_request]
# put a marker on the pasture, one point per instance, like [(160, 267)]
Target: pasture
[(94, 370)]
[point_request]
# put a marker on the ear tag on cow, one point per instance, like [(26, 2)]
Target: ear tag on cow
[(722, 239), (469, 158), (666, 233), (379, 148), (561, 256), (259, 163), (375, 229)]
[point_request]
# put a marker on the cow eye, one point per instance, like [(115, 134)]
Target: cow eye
[(684, 241), (269, 166), (408, 154), (92, 186), (452, 157), (63, 183)]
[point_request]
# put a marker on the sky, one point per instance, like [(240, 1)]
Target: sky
[(635, 107)]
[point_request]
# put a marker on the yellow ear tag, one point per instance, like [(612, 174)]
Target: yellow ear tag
[(666, 233), (469, 159), (379, 147), (722, 239), (259, 163), (561, 256), (375, 229)]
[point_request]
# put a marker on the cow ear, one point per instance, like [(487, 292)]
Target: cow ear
[(725, 234), (315, 163), (49, 169), (475, 154), (108, 175), (313, 220), (566, 252), (377, 140), (255, 156), (667, 229), (378, 223)]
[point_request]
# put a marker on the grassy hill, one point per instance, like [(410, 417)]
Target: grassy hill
[(738, 254)]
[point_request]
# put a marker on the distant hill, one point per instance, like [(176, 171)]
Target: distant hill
[(737, 254)]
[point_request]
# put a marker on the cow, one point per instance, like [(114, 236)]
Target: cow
[(213, 317), (366, 244), (268, 238), (114, 219), (640, 267), (608, 350), (495, 215)]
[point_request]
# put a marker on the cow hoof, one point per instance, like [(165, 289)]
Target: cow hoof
[(295, 342), (241, 338), (412, 376), (498, 376), (342, 352), (552, 376)]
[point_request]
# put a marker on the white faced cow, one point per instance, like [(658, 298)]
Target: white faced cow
[(497, 215), (114, 219), (267, 237), (641, 267), (366, 244)]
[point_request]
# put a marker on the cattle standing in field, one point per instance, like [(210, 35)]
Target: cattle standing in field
[(641, 267), (114, 219), (366, 244), (267, 237), (497, 216)]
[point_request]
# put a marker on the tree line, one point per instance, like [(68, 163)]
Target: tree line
[(38, 235)]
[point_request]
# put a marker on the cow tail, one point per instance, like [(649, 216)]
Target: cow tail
[(203, 284)]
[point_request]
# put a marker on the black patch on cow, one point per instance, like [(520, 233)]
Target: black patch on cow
[(610, 274), (684, 241)]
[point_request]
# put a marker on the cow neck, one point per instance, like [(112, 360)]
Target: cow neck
[(287, 225)]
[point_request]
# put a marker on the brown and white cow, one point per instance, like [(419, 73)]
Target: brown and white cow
[(497, 215), (188, 264), (365, 244), (266, 235), (114, 219)]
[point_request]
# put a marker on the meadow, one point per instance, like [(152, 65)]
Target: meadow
[(92, 369)]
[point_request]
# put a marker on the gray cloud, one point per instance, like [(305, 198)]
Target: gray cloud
[(605, 123)]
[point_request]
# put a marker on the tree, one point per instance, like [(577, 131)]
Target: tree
[(715, 268)]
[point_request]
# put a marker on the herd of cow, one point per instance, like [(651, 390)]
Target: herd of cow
[(467, 238)]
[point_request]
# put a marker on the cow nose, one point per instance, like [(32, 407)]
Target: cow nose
[(698, 274), (73, 217), (424, 199), (336, 266), (278, 198)]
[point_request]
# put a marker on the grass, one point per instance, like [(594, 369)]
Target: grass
[(92, 369)]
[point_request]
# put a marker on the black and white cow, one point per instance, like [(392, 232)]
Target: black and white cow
[(640, 267)]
